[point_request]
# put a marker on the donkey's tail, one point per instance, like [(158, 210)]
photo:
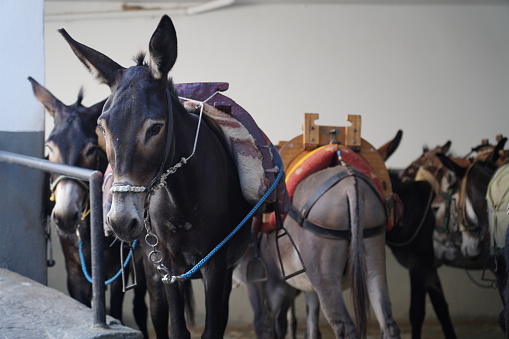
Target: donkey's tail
[(186, 288), (357, 265)]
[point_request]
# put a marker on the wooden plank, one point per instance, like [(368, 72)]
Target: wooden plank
[(353, 132), (315, 135), (311, 132)]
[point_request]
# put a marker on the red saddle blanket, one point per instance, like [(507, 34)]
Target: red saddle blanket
[(316, 160)]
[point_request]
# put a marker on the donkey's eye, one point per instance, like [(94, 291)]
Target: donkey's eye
[(90, 151), (154, 130)]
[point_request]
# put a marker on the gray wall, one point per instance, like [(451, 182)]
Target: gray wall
[(22, 244), (437, 71)]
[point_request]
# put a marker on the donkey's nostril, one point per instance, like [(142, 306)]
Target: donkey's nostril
[(133, 225)]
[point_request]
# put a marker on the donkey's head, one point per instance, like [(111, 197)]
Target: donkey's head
[(135, 121), (472, 209), (72, 141), (427, 161)]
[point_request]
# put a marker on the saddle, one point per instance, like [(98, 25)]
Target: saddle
[(256, 157), (318, 159)]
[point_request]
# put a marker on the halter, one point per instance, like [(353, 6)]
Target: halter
[(118, 188), (83, 184), (53, 184)]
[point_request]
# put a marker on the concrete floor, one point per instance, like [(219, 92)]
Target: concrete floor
[(465, 329)]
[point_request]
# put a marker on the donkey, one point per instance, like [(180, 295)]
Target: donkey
[(73, 141), (339, 243), (173, 179), (411, 242), (446, 175), (477, 250)]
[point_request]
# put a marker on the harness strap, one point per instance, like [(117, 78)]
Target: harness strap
[(301, 216), (340, 234), (327, 185)]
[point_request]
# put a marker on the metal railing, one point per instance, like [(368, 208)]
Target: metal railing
[(95, 178)]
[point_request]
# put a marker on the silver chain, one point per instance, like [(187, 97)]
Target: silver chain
[(155, 256)]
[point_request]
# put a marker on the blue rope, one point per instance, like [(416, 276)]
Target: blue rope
[(84, 264), (193, 270)]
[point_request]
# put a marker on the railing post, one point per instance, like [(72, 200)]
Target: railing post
[(95, 179), (97, 241)]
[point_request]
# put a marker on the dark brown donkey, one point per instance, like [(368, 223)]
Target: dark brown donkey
[(185, 194), (73, 141)]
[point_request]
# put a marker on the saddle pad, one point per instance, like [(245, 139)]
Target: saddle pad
[(498, 200), (242, 148), (316, 160), (267, 153)]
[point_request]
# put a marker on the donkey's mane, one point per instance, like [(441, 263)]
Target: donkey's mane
[(80, 97), (140, 59)]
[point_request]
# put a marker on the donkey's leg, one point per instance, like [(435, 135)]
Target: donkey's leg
[(140, 310), (217, 279), (377, 285), (291, 319), (437, 297), (116, 299), (497, 265), (159, 312), (176, 306), (280, 297), (312, 316), (325, 273), (418, 281)]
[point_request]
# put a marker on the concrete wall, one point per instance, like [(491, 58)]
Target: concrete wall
[(22, 245), (438, 72)]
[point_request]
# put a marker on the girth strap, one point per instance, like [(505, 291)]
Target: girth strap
[(301, 217), (340, 234)]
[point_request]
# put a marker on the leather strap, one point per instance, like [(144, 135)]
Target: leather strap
[(301, 216)]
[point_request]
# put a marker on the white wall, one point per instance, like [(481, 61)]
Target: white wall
[(437, 72)]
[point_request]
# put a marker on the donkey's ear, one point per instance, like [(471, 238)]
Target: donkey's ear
[(460, 171), (94, 111), (390, 147), (48, 100), (102, 67), (446, 147), (495, 154), (163, 48)]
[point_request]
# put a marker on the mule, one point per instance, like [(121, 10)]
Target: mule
[(184, 193), (477, 248), (411, 242), (348, 251), (447, 177), (73, 141)]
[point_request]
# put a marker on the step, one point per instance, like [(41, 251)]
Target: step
[(29, 309)]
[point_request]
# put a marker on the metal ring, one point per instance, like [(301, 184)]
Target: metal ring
[(156, 257), (162, 270), (151, 236)]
